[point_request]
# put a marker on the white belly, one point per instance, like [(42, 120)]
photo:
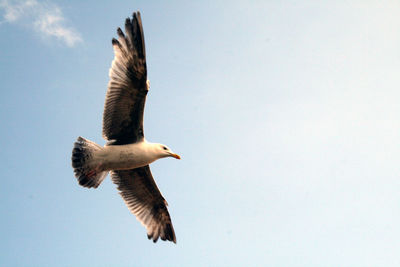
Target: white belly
[(124, 157)]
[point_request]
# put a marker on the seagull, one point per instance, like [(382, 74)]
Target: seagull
[(127, 154)]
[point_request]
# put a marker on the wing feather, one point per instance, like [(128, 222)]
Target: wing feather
[(144, 200), (127, 88)]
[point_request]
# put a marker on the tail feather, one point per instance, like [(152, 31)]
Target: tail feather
[(85, 171)]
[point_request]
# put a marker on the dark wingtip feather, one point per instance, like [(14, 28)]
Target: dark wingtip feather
[(136, 13), (170, 232), (114, 41), (128, 22), (169, 235), (120, 33), (135, 16), (140, 35), (83, 180)]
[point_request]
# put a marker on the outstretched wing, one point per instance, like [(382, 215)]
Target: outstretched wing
[(127, 89), (144, 200)]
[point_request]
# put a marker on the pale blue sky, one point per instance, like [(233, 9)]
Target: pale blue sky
[(286, 114)]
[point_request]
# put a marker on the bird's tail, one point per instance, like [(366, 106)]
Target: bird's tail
[(86, 170)]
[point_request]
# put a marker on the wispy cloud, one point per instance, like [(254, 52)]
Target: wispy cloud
[(45, 18)]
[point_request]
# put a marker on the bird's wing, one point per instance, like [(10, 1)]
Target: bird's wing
[(127, 88), (144, 200)]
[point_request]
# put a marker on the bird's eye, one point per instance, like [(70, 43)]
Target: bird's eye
[(164, 147)]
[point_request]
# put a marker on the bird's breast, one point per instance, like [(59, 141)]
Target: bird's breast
[(124, 157)]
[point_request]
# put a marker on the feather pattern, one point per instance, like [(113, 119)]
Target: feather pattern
[(144, 200), (127, 88)]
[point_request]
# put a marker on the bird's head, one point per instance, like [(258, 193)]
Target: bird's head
[(166, 152)]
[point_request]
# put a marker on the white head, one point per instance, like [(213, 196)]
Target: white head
[(163, 151)]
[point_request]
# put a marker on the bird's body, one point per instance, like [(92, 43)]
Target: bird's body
[(127, 154), (126, 157)]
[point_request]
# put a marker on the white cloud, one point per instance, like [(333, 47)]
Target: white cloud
[(45, 18)]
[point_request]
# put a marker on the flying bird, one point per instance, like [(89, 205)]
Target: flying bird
[(127, 154)]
